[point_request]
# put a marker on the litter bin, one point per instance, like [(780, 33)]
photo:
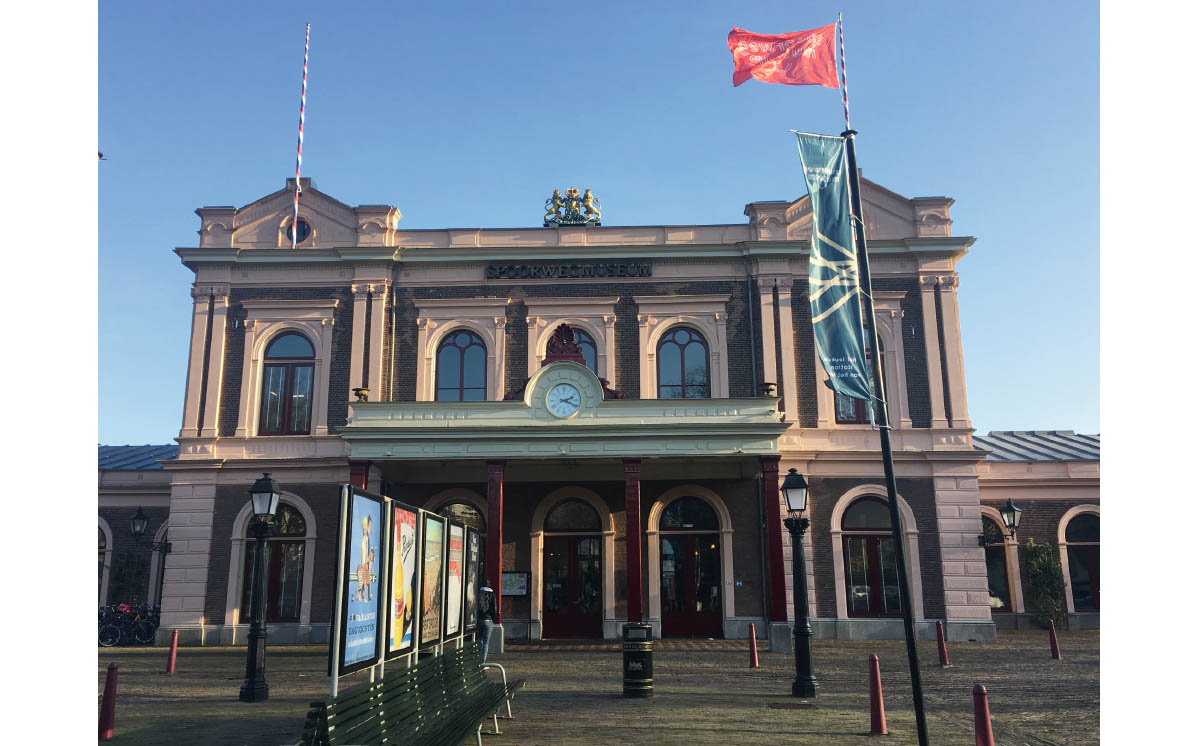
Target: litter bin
[(637, 655)]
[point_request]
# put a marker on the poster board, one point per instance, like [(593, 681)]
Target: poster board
[(433, 573), (514, 583), (360, 626), (470, 593), (456, 536), (402, 593)]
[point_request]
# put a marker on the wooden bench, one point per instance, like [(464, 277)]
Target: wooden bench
[(510, 689), (437, 702)]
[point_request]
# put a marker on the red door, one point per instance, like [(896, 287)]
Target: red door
[(572, 604), (691, 585)]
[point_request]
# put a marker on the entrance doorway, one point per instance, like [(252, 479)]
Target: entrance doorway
[(690, 557), (572, 567)]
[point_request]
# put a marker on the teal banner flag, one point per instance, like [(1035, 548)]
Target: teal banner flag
[(833, 289)]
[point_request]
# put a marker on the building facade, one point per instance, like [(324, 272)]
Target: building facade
[(611, 406)]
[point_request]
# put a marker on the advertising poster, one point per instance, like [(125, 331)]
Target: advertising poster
[(514, 583), (362, 601), (433, 534), (401, 619), (454, 579), (470, 602)]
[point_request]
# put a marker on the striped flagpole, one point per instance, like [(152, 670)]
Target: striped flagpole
[(845, 90), (300, 142)]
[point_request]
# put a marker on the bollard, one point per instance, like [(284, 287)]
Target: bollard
[(943, 656), (983, 718), (637, 659), (753, 648), (878, 718), (174, 650), (1055, 653), (108, 706)]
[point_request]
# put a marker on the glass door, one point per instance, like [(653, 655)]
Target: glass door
[(872, 579), (691, 585), (572, 602)]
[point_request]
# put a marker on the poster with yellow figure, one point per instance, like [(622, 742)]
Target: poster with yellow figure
[(401, 621), (433, 536)]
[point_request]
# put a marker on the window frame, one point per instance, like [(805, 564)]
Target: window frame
[(275, 545), (447, 341), (666, 338), (290, 366)]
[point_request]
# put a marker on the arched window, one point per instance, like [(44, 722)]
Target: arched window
[(996, 555), (689, 514), (461, 367), (872, 578), (1083, 561), (103, 546), (683, 365), (287, 386), (465, 513), (285, 566), (588, 346), (572, 515)]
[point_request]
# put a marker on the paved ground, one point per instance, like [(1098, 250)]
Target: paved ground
[(705, 693)]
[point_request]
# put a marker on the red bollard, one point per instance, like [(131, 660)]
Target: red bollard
[(983, 718), (174, 650), (878, 719), (108, 706), (943, 656), (1055, 653), (753, 648)]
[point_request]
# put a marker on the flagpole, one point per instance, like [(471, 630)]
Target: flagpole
[(300, 142), (885, 440)]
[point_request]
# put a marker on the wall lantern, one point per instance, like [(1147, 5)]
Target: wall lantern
[(137, 523), (1011, 516)]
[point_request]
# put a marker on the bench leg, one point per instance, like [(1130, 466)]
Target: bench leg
[(495, 727), (479, 738), (508, 704)]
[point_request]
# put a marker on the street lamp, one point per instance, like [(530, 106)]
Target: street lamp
[(1011, 515), (795, 494), (264, 500)]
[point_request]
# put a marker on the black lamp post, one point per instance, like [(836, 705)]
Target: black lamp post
[(264, 497), (795, 493)]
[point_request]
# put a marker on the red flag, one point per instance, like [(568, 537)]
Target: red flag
[(798, 58)]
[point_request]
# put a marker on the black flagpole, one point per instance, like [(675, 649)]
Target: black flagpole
[(885, 440)]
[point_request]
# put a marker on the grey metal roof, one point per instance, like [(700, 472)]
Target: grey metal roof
[(1038, 445), (120, 458)]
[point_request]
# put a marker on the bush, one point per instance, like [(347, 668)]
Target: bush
[(1045, 598)]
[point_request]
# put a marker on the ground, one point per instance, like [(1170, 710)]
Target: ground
[(704, 693)]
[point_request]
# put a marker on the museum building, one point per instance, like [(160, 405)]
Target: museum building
[(612, 406)]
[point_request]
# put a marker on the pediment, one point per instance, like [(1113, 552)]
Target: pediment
[(888, 215)]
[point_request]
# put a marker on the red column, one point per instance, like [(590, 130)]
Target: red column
[(778, 594), (633, 537), (358, 474), (495, 537)]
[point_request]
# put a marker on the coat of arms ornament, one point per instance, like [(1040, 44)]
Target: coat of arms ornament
[(573, 209)]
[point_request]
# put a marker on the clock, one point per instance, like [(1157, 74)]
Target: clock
[(563, 400)]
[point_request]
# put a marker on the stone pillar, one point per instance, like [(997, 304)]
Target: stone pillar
[(185, 572), (375, 345), (787, 352), (766, 305), (633, 537), (779, 635), (952, 333), (358, 337), (933, 355), (964, 564), (216, 363), (495, 543), (190, 426)]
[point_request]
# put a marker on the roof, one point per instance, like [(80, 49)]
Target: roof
[(1038, 445), (124, 458)]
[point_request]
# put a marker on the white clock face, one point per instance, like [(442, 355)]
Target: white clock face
[(563, 400)]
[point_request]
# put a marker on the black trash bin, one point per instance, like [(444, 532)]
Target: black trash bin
[(637, 654)]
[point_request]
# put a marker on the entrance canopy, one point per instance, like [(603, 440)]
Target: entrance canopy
[(564, 415)]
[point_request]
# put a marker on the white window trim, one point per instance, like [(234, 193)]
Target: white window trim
[(1011, 561), (596, 316), (108, 553), (312, 319), (537, 546), (439, 316), (1062, 547), (654, 548), (889, 322), (286, 243), (704, 313), (911, 554), (237, 560)]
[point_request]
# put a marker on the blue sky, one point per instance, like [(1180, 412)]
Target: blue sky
[(470, 117)]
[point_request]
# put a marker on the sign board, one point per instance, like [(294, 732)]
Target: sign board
[(455, 570), (514, 583), (360, 627), (470, 594), (404, 551), (433, 575)]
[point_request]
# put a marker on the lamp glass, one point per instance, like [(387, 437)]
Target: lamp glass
[(264, 496), (795, 491), (1011, 515), (137, 523)]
